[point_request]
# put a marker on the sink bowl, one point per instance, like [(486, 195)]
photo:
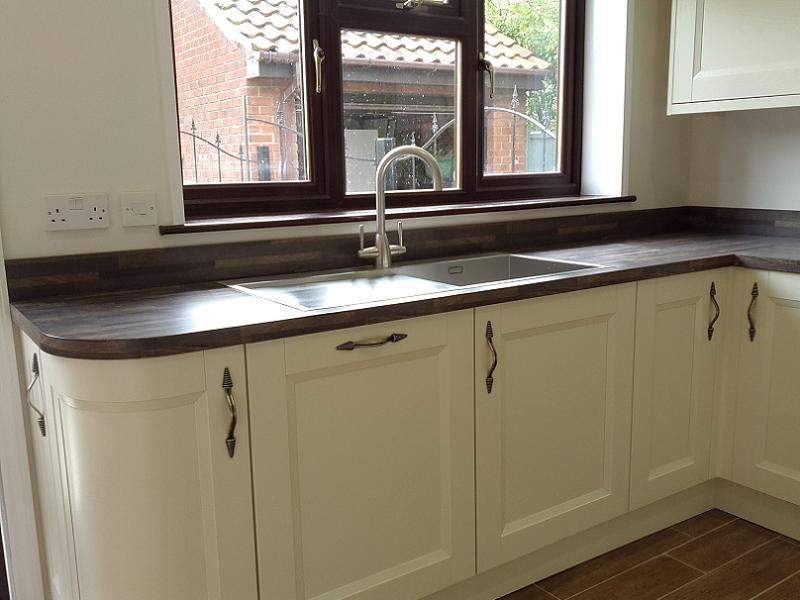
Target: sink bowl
[(487, 269), (341, 289)]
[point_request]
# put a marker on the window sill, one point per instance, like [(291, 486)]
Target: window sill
[(323, 218)]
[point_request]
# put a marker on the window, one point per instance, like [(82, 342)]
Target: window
[(287, 106)]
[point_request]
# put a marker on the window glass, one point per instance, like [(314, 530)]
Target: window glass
[(398, 90), (241, 91), (523, 42)]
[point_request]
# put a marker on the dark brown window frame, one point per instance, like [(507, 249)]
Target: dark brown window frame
[(324, 198)]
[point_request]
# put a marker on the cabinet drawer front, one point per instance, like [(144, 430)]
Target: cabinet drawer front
[(320, 351)]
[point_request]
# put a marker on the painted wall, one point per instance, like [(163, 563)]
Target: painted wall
[(748, 159), (82, 110)]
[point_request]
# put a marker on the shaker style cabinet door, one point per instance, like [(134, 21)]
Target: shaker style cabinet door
[(734, 54), (553, 416), (158, 508), (363, 460), (767, 447), (680, 324)]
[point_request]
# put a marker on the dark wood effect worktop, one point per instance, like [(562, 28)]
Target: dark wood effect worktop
[(164, 321)]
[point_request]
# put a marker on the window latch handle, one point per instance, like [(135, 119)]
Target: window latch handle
[(489, 68), (319, 58)]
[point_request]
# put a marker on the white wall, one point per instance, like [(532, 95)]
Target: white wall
[(81, 110), (748, 159)]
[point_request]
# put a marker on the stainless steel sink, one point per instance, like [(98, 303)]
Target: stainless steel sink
[(341, 289), (487, 269)]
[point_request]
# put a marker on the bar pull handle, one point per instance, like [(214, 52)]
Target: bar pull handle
[(392, 339), (319, 58), (40, 420), (227, 385), (489, 68), (493, 350), (717, 311), (412, 4), (750, 309)]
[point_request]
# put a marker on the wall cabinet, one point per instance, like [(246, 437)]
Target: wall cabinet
[(363, 460), (145, 497), (553, 429), (734, 55), (676, 369), (767, 447)]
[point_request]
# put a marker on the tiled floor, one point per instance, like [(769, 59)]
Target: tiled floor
[(714, 556)]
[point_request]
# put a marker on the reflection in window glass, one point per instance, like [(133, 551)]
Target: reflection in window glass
[(398, 90), (240, 84), (522, 131)]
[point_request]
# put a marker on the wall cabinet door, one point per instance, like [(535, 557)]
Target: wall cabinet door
[(157, 507), (735, 54), (363, 461), (674, 378), (553, 431), (767, 448)]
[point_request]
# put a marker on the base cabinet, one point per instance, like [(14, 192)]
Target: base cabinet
[(363, 461), (681, 322), (553, 429), (767, 447)]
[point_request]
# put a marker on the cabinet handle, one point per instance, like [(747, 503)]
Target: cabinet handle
[(319, 58), (750, 317), (227, 385), (717, 310), (493, 350), (39, 414), (392, 339)]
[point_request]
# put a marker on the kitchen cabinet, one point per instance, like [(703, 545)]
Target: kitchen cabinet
[(148, 501), (363, 462), (553, 423), (680, 326), (767, 447), (734, 55)]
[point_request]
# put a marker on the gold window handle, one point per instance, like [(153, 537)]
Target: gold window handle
[(489, 68), (319, 58)]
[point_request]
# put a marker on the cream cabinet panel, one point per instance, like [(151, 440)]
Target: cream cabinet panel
[(734, 55), (674, 378), (363, 461), (767, 448), (157, 507), (553, 432)]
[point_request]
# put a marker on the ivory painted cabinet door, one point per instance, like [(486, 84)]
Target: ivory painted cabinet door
[(363, 461), (553, 432), (767, 446), (674, 378), (735, 54), (158, 509)]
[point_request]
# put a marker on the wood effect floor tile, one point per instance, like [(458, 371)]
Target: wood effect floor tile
[(722, 545), (648, 581), (702, 524), (790, 540), (532, 592), (788, 590), (746, 576), (583, 576)]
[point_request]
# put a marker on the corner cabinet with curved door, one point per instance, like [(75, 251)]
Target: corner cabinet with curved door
[(148, 501), (553, 412), (363, 462)]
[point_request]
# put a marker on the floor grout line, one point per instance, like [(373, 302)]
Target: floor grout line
[(772, 587), (552, 595), (697, 537), (683, 562)]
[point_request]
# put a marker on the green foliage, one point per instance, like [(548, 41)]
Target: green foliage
[(534, 24)]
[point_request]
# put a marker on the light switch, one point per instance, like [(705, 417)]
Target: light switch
[(138, 209)]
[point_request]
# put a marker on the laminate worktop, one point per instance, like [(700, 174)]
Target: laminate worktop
[(165, 321)]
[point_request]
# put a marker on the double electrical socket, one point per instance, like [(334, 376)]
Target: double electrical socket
[(66, 212)]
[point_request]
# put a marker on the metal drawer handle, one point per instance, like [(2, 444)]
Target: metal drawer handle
[(717, 309), (750, 317), (493, 350), (392, 339), (227, 385), (40, 415)]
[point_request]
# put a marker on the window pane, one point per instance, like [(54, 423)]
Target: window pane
[(522, 123), (398, 90), (241, 92)]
